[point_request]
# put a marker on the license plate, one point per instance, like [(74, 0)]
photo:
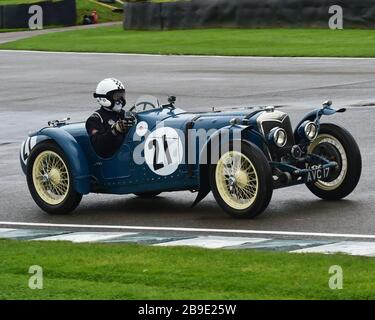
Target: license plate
[(317, 174)]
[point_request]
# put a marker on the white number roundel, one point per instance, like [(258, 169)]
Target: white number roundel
[(163, 151)]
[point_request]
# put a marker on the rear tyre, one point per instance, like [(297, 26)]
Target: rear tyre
[(241, 181), (50, 179), (336, 144)]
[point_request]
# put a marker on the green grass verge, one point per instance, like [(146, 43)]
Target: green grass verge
[(13, 30), (26, 29), (241, 42), (114, 271)]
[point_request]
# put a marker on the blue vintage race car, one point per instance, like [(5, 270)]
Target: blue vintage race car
[(241, 156)]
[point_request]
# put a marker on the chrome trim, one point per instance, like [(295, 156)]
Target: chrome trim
[(316, 130), (270, 116), (277, 129)]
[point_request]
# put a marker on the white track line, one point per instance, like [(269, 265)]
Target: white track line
[(347, 247), (182, 55), (212, 242), (203, 230)]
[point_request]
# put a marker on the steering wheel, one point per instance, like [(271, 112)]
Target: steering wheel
[(143, 106)]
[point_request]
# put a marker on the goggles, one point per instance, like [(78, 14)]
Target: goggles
[(115, 95)]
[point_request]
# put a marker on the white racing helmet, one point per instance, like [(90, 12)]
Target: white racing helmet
[(110, 94)]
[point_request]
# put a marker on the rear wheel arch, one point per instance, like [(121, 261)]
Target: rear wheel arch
[(75, 156), (27, 146)]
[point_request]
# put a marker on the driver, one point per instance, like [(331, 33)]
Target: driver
[(108, 126)]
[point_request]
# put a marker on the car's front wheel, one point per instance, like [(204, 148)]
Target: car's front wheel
[(49, 179), (241, 181), (336, 144)]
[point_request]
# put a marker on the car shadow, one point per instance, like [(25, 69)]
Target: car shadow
[(136, 205), (178, 205)]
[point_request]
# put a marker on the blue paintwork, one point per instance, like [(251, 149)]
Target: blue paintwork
[(120, 174), (73, 151), (315, 115)]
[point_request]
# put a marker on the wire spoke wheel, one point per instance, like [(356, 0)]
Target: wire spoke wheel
[(50, 177), (236, 180)]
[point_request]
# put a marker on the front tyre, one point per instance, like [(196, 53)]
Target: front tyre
[(49, 179), (336, 144), (241, 181)]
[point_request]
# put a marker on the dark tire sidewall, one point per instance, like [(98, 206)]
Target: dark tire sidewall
[(354, 164)]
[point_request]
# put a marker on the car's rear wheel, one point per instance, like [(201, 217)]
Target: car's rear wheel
[(241, 181), (336, 144), (49, 179)]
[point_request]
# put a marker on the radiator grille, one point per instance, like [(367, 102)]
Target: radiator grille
[(268, 125)]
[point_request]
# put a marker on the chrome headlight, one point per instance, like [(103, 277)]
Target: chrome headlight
[(278, 136), (308, 130)]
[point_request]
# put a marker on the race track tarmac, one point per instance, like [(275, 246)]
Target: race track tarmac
[(36, 87)]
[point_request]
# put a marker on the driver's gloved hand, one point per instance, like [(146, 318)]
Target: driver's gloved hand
[(123, 126), (119, 127)]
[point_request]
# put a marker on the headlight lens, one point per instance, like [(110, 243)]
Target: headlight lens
[(310, 130), (279, 137)]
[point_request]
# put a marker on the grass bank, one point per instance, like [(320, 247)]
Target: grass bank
[(237, 42), (113, 271)]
